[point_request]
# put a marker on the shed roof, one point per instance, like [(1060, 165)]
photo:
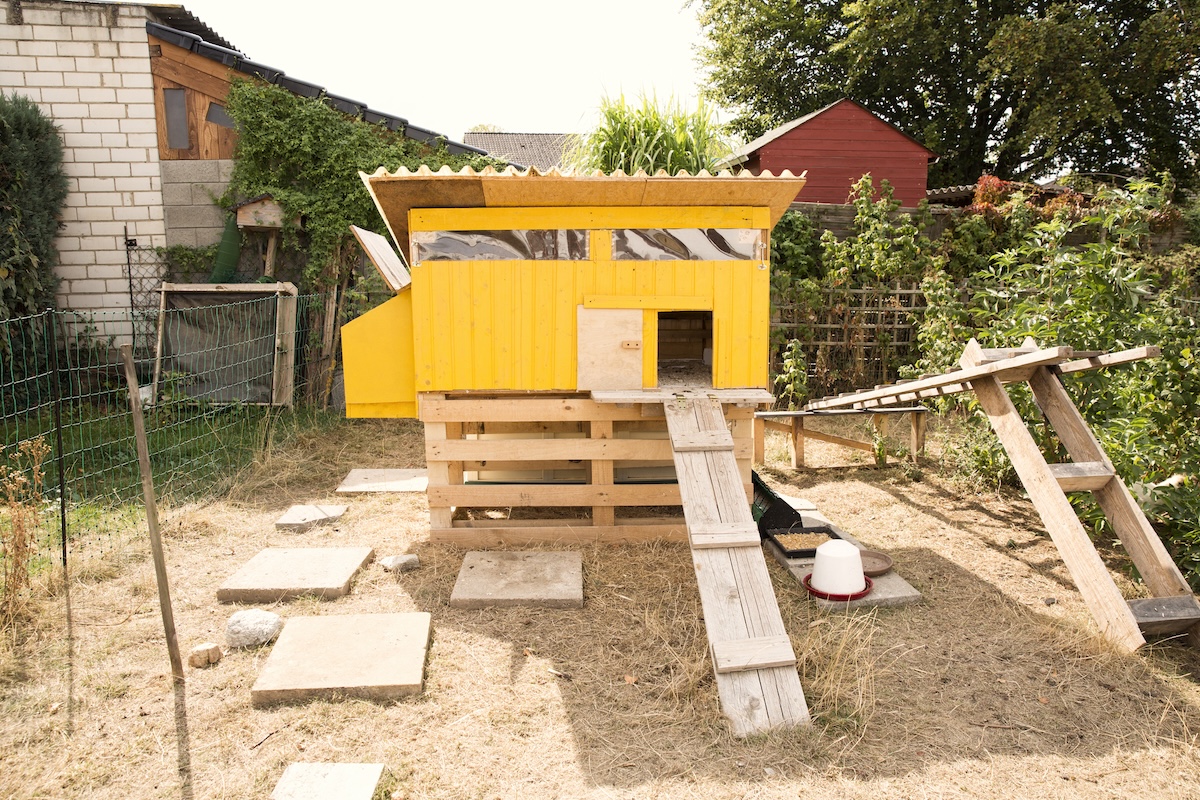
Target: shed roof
[(176, 25), (742, 154), (541, 150), (396, 193)]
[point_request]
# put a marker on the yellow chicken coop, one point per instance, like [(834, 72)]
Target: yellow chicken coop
[(545, 321)]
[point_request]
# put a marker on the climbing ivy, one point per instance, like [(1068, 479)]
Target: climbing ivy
[(307, 156)]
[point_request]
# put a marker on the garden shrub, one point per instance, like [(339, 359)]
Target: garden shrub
[(33, 188)]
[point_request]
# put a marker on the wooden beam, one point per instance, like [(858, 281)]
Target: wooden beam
[(1008, 369), (723, 534), (1158, 616), (563, 532), (526, 495), (702, 441), (1110, 359)]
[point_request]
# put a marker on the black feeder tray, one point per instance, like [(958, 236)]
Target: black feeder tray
[(775, 516)]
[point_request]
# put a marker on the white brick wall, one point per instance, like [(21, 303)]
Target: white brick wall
[(87, 65)]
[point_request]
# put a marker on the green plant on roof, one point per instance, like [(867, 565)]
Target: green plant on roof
[(650, 136)]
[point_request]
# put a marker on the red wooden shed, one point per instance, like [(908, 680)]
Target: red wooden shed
[(837, 145)]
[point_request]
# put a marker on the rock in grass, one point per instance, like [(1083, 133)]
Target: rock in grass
[(204, 655), (252, 627), (406, 563)]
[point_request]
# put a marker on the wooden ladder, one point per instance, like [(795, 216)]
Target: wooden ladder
[(752, 654), (1173, 608)]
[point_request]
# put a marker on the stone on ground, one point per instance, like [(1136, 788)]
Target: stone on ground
[(322, 781), (301, 518), (384, 480), (252, 627), (204, 655), (540, 579), (405, 563), (285, 573), (367, 656)]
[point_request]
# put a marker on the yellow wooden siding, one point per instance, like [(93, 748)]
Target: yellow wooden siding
[(510, 325), (377, 355)]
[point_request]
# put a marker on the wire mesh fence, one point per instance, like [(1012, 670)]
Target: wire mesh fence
[(212, 385)]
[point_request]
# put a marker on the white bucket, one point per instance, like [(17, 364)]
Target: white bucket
[(838, 569)]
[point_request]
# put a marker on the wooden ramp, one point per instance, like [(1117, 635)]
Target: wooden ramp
[(751, 651), (1173, 608)]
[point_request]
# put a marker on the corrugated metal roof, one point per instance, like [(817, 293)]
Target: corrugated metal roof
[(541, 150), (202, 40), (396, 193), (742, 154)]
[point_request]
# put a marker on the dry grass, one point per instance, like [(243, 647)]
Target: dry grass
[(981, 691)]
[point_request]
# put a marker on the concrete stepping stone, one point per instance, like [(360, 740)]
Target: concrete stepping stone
[(504, 578), (325, 781), (301, 518), (367, 656), (285, 573), (889, 590), (360, 481)]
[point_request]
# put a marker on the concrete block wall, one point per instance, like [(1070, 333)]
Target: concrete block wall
[(189, 188), (87, 65)]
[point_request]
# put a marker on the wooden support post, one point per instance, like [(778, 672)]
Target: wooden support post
[(760, 441), (156, 548), (1091, 576), (283, 381), (916, 440), (796, 442), (602, 473), (440, 516)]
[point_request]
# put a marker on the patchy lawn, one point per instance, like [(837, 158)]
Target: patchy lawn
[(986, 689)]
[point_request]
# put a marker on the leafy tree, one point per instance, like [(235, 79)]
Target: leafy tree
[(33, 188), (1019, 89), (651, 137)]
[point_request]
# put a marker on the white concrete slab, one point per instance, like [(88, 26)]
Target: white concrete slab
[(889, 590), (325, 781), (301, 518), (285, 573), (798, 503), (509, 578), (360, 481), (368, 656)]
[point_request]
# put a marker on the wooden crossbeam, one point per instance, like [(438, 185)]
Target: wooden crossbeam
[(701, 441), (1110, 359), (1085, 477), (757, 653)]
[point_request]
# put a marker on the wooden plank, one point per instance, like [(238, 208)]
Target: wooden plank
[(1095, 584), (441, 514), (746, 396), (1110, 359), (551, 449), (756, 653), (760, 442), (523, 409), (562, 533), (838, 440), (1008, 369), (214, 89), (527, 495), (656, 302), (1086, 476), (602, 470), (1158, 616), (385, 259), (1137, 535), (702, 441)]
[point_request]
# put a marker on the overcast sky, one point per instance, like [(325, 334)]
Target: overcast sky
[(524, 65)]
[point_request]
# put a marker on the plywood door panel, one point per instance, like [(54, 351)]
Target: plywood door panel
[(610, 348)]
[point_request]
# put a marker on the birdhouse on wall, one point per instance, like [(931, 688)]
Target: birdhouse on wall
[(523, 282), (264, 215)]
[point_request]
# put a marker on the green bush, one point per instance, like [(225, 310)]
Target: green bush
[(33, 188)]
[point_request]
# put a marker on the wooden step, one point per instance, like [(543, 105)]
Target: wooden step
[(704, 536), (1161, 616), (702, 441), (1083, 476), (760, 652)]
